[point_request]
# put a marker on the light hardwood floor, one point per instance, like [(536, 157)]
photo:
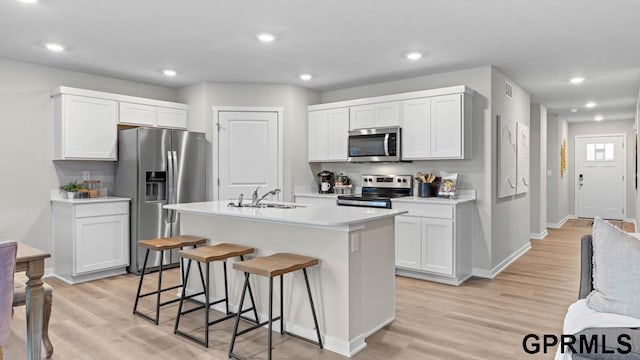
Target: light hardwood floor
[(482, 319)]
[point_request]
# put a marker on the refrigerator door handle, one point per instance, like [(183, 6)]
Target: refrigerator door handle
[(170, 186), (174, 215)]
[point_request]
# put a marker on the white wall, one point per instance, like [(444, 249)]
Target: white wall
[(26, 144), (294, 100), (598, 128), (510, 216), (557, 187), (474, 173), (538, 171)]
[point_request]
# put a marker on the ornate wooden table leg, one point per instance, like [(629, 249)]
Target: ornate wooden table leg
[(35, 306)]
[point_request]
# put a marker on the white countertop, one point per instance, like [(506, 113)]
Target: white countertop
[(309, 216), (463, 197), (105, 199)]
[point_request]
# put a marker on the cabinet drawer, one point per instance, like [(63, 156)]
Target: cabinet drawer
[(90, 210), (438, 211)]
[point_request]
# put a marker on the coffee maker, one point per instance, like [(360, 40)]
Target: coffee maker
[(327, 182)]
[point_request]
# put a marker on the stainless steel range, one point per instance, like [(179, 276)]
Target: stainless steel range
[(378, 190)]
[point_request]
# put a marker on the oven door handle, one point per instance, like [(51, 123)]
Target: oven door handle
[(386, 144)]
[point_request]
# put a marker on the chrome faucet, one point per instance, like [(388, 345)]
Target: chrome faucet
[(255, 201)]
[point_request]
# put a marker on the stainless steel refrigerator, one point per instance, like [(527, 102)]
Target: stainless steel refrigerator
[(157, 167)]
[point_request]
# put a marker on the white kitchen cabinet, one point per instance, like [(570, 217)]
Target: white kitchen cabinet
[(437, 246), (137, 114), (328, 135), (408, 242), (91, 238), (84, 128), (374, 115), (434, 239), (416, 129), (447, 127), (172, 118)]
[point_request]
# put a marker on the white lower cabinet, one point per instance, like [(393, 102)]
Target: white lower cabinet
[(433, 241), (91, 239)]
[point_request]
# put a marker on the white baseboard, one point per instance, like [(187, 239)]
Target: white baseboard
[(539, 236), (490, 274), (558, 225), (48, 272)]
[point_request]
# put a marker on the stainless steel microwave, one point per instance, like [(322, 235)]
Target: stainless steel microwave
[(371, 145)]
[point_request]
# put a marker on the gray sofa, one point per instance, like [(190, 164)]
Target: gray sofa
[(586, 286)]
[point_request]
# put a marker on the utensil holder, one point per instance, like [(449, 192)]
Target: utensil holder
[(424, 190)]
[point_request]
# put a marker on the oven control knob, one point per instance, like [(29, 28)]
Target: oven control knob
[(370, 180), (404, 180), (399, 180)]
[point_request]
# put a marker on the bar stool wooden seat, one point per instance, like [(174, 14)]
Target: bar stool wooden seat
[(208, 254), (162, 245), (270, 267)]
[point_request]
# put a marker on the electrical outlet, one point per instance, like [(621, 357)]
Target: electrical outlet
[(86, 175)]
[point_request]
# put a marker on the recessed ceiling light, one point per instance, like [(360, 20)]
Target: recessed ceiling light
[(29, 1), (169, 72), (414, 56), (54, 47), (598, 118), (266, 37), (306, 77), (574, 110), (590, 104), (577, 80)]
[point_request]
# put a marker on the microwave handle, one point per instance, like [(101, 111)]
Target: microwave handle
[(386, 144)]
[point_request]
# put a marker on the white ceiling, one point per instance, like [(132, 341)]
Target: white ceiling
[(540, 44)]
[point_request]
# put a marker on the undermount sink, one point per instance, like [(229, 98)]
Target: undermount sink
[(267, 205)]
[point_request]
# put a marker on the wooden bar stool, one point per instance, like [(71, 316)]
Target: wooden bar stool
[(162, 245), (272, 266), (207, 255)]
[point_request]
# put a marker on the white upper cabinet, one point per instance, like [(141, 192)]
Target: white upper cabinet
[(374, 115), (328, 131), (436, 124), (84, 128), (361, 117), (387, 114), (137, 114), (172, 118), (447, 127), (416, 129)]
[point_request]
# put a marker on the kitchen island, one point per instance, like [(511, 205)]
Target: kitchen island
[(353, 287)]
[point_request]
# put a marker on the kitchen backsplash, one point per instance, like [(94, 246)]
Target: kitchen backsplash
[(105, 171), (356, 170)]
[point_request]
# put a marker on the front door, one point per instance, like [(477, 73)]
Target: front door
[(600, 176), (247, 153)]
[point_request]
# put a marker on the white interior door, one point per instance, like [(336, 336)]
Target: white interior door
[(247, 153), (600, 180)]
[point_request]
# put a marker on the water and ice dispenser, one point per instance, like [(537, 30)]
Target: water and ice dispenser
[(156, 185)]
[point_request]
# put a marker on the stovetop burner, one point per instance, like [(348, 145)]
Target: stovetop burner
[(378, 190)]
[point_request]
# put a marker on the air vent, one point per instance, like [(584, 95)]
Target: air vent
[(508, 90)]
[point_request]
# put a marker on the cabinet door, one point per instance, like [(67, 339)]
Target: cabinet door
[(89, 128), (317, 142), (137, 114), (361, 117), (101, 243), (437, 246), (416, 129), (172, 118), (408, 242), (446, 126), (338, 134), (387, 114)]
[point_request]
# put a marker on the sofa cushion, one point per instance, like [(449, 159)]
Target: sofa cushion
[(616, 271)]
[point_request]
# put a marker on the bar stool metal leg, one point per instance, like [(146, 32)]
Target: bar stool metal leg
[(159, 287), (270, 316), (313, 310), (253, 303), (144, 268), (226, 290), (182, 296), (206, 308), (235, 326), (281, 306)]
